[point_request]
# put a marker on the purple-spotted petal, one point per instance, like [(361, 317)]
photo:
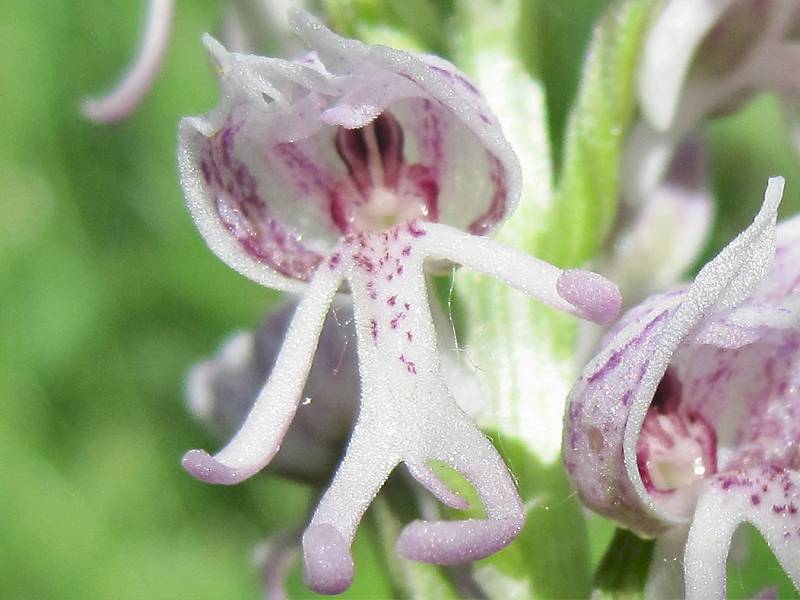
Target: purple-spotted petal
[(608, 405), (769, 499)]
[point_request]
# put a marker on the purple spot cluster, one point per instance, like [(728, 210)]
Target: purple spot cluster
[(245, 213), (379, 258)]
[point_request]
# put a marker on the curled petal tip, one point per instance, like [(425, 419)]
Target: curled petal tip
[(595, 297), (127, 95), (201, 465), (454, 542), (327, 563)]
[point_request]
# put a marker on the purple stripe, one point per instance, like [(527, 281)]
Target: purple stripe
[(245, 213)]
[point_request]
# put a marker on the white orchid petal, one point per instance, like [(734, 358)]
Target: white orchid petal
[(222, 390), (577, 292), (430, 481), (260, 436), (350, 165), (447, 87), (768, 499)]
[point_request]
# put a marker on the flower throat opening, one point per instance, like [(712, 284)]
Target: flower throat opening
[(676, 447), (382, 189)]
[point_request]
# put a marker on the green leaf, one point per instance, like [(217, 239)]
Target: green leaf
[(413, 579), (586, 199), (522, 352), (622, 573)]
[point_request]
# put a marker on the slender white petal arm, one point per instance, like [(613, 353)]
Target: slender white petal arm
[(128, 93), (769, 499), (581, 293), (260, 437)]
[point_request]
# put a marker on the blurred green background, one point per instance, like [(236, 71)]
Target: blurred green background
[(107, 296)]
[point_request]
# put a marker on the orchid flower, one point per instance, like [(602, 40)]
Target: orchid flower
[(687, 422), (358, 164), (703, 57)]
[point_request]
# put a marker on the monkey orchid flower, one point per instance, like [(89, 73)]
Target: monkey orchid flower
[(687, 422), (364, 165)]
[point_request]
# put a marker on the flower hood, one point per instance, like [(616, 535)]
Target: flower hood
[(300, 153)]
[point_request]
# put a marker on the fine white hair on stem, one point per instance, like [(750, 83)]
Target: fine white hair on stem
[(121, 101)]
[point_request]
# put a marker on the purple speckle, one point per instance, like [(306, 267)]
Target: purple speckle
[(755, 499), (415, 230), (392, 300), (363, 262), (410, 366), (373, 328)]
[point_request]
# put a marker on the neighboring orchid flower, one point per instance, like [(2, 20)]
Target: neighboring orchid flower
[(701, 58), (359, 164), (687, 422)]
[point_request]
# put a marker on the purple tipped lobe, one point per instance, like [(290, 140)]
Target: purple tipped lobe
[(593, 295), (327, 564), (454, 542), (201, 465)]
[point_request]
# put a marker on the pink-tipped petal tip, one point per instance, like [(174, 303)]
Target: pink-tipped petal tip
[(327, 563), (595, 297), (201, 465), (455, 542)]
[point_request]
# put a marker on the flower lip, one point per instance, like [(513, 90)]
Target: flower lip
[(352, 138)]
